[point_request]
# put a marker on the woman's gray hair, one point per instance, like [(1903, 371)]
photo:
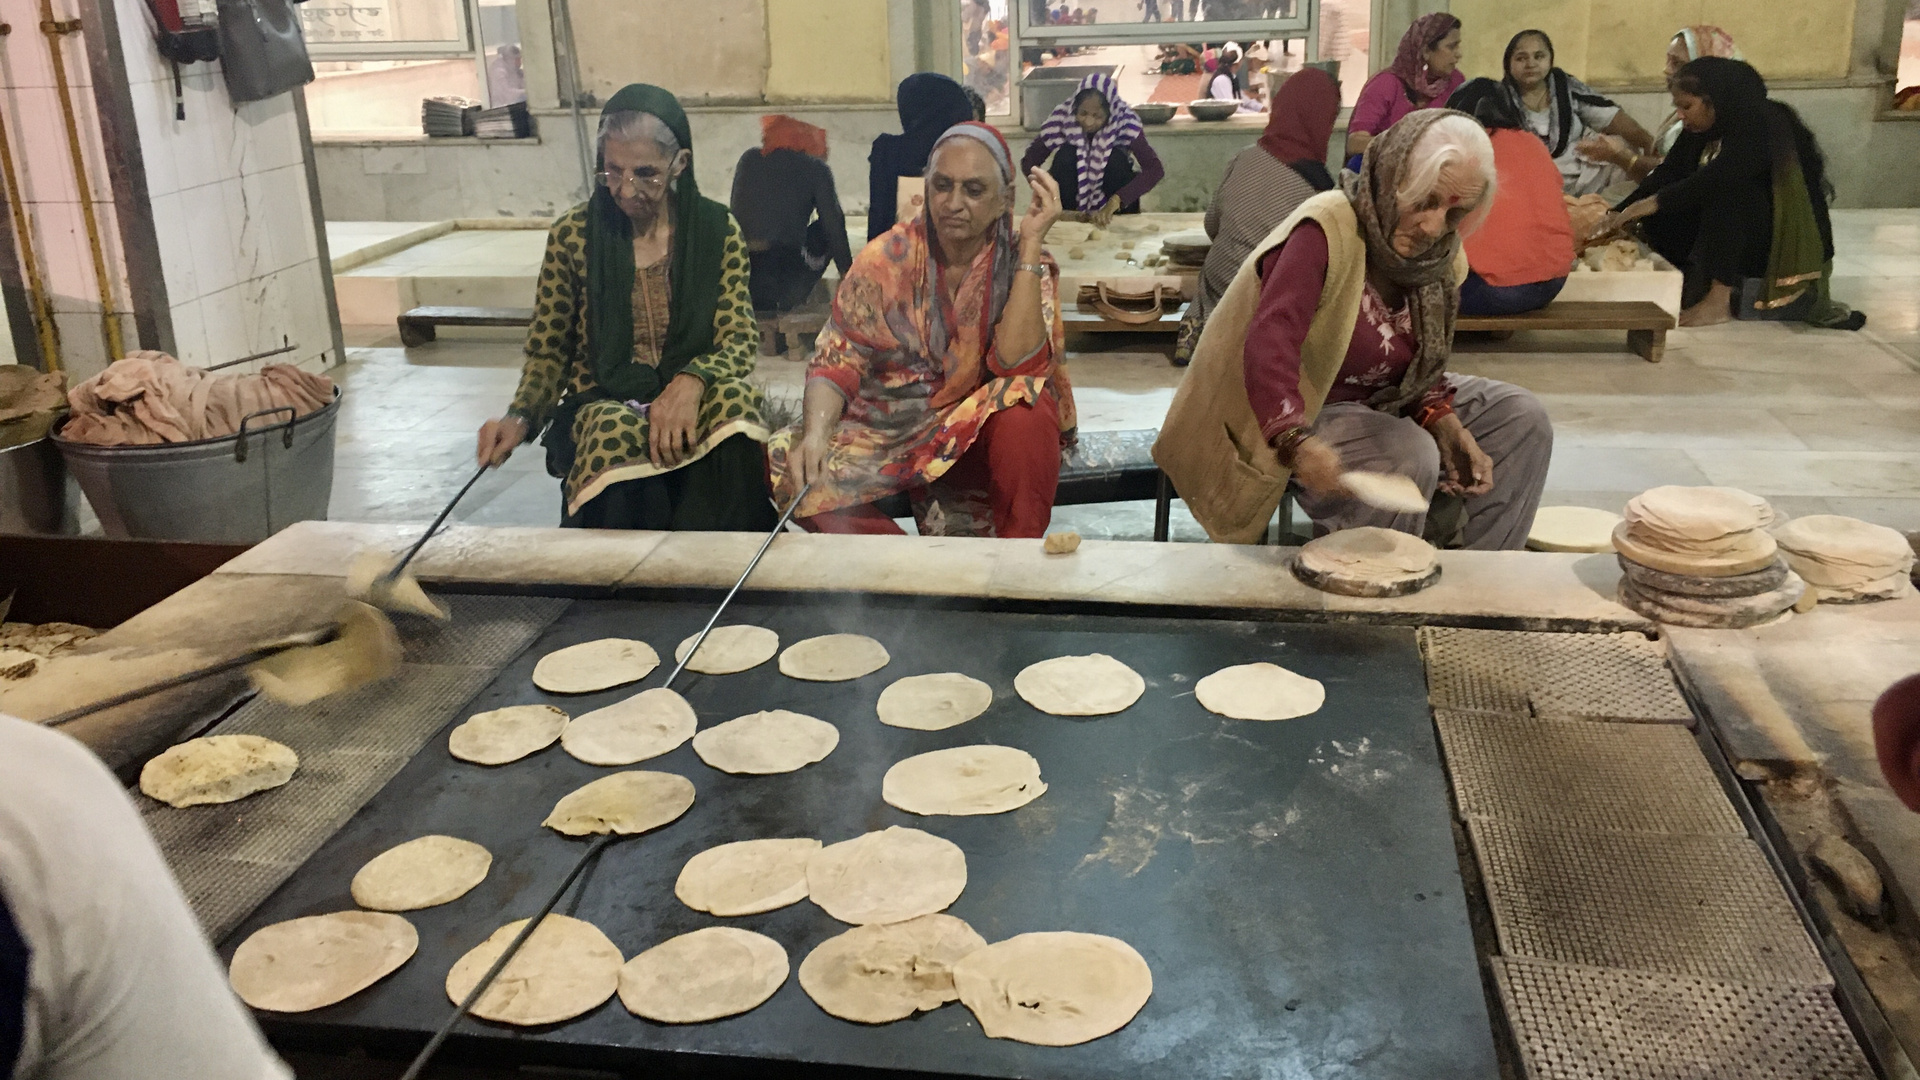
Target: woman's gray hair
[(1455, 140), (628, 125)]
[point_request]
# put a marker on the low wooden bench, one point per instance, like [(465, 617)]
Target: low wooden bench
[(1106, 467), (1645, 322), (790, 327), (418, 326)]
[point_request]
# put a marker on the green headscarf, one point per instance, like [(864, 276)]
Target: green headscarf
[(699, 235)]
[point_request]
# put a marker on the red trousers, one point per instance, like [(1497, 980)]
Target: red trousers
[(1015, 460)]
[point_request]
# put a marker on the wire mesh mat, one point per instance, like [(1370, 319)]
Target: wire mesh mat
[(1705, 906), (1595, 676), (230, 857), (1572, 1022), (1580, 774)]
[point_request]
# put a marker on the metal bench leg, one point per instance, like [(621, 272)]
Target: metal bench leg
[(1162, 508)]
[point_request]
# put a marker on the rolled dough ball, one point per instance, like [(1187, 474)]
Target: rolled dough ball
[(509, 734), (567, 967), (710, 973), (217, 769), (933, 702), (1260, 691), (763, 743), (730, 649), (625, 803), (320, 960), (746, 877), (833, 658), (1369, 553), (595, 665), (1076, 252), (887, 877), (1572, 528), (1061, 543), (1053, 989), (423, 872), (964, 780), (1387, 491), (1093, 685), (880, 973), (646, 725)]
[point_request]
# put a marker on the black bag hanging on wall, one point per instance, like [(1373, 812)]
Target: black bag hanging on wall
[(261, 50)]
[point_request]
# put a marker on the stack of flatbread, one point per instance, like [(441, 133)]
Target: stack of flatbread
[(1847, 560), (1702, 556), (1367, 561)]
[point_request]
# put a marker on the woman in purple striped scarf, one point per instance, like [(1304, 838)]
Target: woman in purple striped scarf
[(1101, 159)]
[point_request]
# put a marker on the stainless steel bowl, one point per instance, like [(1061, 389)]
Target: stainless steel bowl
[(1155, 112), (1210, 109)]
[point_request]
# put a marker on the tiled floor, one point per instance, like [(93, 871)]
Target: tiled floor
[(1818, 421)]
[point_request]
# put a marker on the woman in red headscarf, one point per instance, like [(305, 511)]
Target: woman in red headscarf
[(1263, 185), (789, 212), (1425, 73)]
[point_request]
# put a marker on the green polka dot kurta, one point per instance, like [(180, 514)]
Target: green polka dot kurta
[(611, 437)]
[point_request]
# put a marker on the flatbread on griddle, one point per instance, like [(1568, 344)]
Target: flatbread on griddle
[(933, 702), (879, 973), (424, 872), (646, 725), (888, 876), (833, 658), (502, 735), (217, 769), (595, 665), (310, 963), (625, 803), (964, 780), (565, 968), (1260, 691), (730, 649), (763, 743), (1053, 989), (1093, 685), (704, 975), (746, 877)]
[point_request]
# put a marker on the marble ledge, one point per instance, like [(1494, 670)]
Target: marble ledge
[(1524, 590)]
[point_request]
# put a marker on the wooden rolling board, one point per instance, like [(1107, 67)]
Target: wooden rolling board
[(1101, 258)]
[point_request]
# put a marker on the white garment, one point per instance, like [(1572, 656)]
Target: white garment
[(121, 983), (1221, 88), (1578, 175)]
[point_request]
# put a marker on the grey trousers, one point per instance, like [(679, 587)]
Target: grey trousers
[(1507, 421)]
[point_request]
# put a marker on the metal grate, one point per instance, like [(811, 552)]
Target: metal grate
[(1705, 906), (485, 631), (1578, 676), (1581, 774), (1584, 1023)]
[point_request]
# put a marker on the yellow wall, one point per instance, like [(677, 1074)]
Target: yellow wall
[(702, 50), (1625, 41), (828, 50)]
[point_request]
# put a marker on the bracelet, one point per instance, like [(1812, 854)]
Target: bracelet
[(1036, 269), (1287, 443)]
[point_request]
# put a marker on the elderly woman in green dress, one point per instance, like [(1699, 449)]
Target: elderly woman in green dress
[(642, 339)]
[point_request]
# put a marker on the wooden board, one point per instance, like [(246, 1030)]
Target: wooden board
[(1693, 566), (1577, 315), (1353, 586)]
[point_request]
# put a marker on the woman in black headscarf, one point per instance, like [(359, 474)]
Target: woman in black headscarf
[(930, 103), (1743, 194)]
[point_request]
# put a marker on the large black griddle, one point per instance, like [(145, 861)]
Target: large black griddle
[(1293, 885)]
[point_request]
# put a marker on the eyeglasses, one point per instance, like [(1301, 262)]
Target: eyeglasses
[(619, 183)]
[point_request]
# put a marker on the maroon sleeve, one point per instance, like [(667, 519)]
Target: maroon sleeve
[(1151, 172), (1036, 155), (1292, 277)]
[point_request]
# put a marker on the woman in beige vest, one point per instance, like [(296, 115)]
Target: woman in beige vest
[(1329, 353)]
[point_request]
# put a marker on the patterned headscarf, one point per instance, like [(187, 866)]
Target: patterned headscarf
[(1005, 251), (1706, 40), (1092, 153), (1410, 63), (1427, 277)]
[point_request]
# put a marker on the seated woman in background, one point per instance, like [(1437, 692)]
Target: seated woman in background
[(1095, 139), (1691, 43), (784, 200), (1263, 185), (1564, 112), (942, 372), (1329, 352), (1743, 195), (1519, 257), (1425, 73), (929, 103)]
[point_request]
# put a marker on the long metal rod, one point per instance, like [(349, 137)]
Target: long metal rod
[(286, 346), (701, 637), (446, 1029), (43, 324), (109, 319), (394, 574), (196, 675)]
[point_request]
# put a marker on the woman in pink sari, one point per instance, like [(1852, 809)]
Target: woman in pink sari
[(1425, 73)]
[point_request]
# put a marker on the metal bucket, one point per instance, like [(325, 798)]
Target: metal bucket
[(33, 490), (239, 488)]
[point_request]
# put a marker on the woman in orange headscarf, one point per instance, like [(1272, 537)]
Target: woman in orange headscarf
[(785, 202)]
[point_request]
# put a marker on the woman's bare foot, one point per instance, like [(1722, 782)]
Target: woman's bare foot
[(1714, 308)]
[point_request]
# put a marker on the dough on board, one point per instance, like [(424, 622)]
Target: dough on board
[(626, 803), (1845, 558), (1260, 691), (403, 593), (1387, 491), (1093, 685), (1053, 989), (424, 872), (502, 735), (1369, 553), (704, 975), (888, 876), (314, 962), (646, 725), (1694, 520), (746, 877), (833, 658), (1573, 528), (595, 665), (933, 702), (762, 743), (880, 973), (730, 649), (964, 780), (567, 967), (217, 769)]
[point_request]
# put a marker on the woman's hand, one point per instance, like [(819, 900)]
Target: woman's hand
[(671, 419), (1465, 470), (1317, 466), (808, 457), (1042, 211), (497, 440), (1103, 217), (1608, 149)]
